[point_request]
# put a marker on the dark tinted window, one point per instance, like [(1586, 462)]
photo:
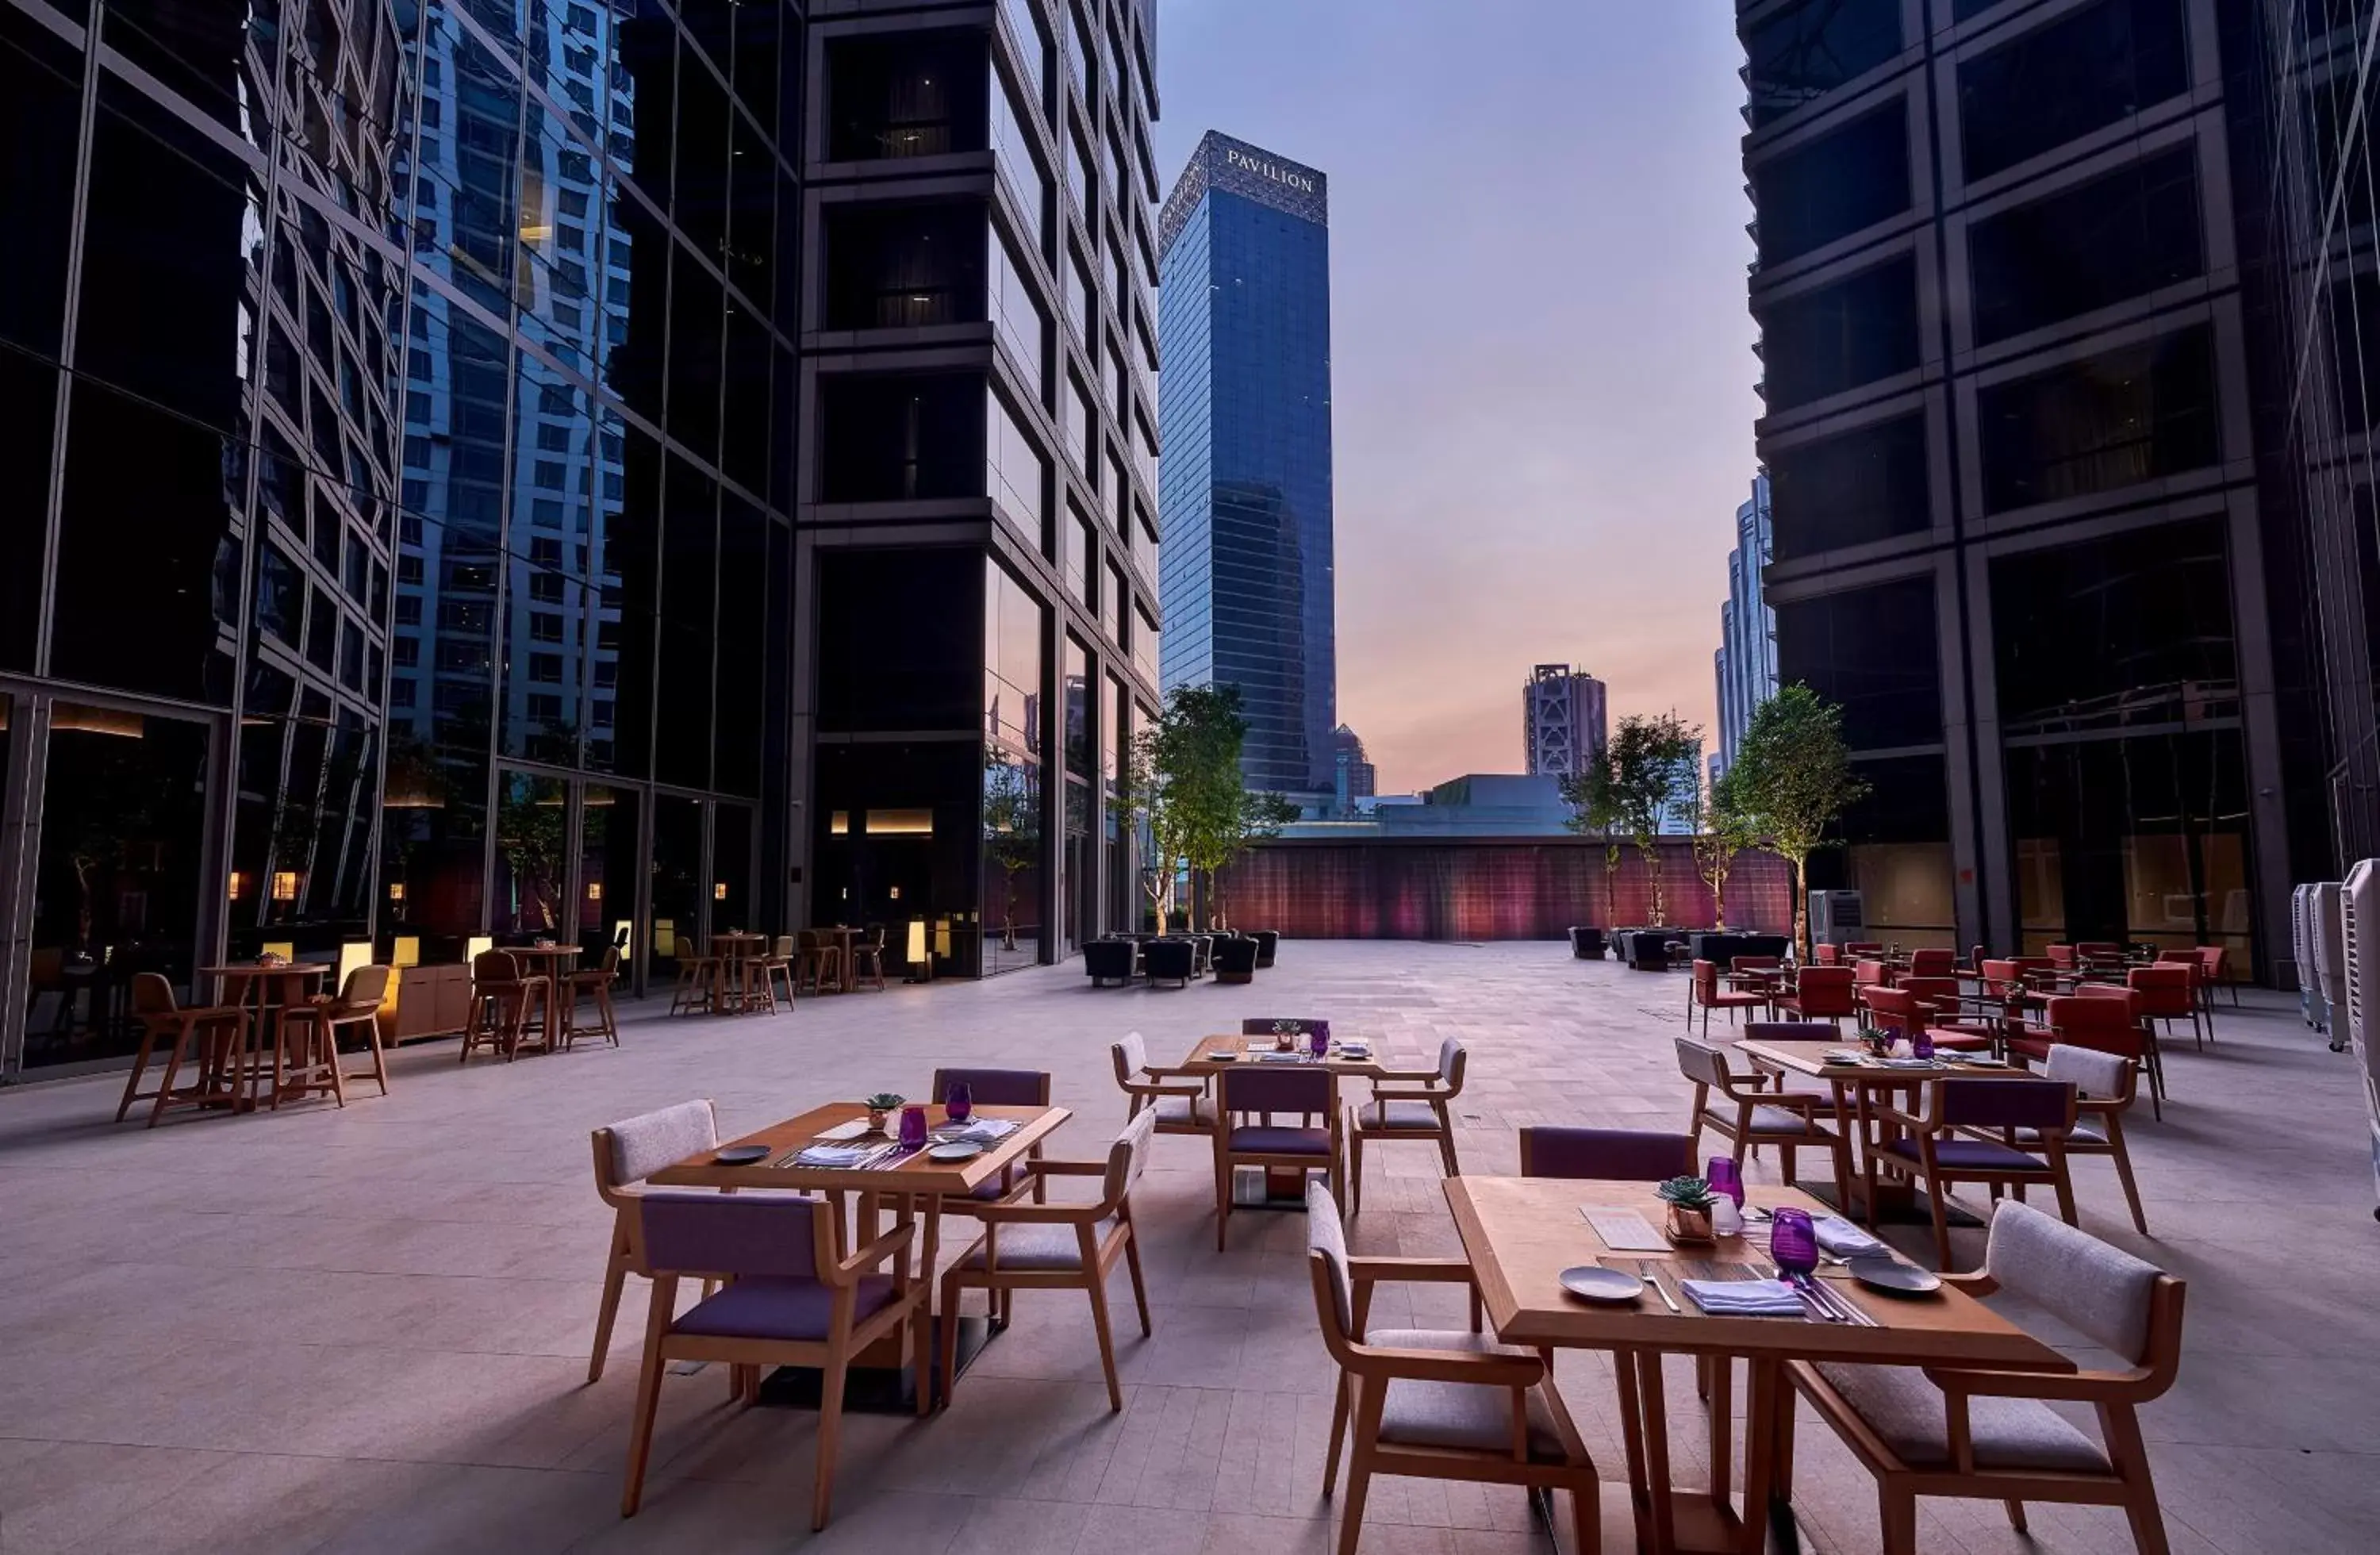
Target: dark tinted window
[(901, 439), (1874, 651), (1814, 47), (1858, 330), (28, 391), (2113, 626), (1834, 186), (2127, 232), (905, 265), (1863, 485), (2106, 421), (906, 97), (899, 641), (2080, 73), (41, 105), (2354, 334)]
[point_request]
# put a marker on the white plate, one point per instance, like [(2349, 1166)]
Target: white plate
[(1595, 1283), (1356, 1049), (1978, 1061), (1227, 1055), (957, 1150)]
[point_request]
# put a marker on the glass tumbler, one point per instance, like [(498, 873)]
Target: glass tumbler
[(1725, 1177), (1793, 1241), (913, 1127), (959, 1102)]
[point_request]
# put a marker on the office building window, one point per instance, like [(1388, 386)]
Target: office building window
[(1018, 477), (1840, 336), (1023, 327), (2109, 421), (1851, 488), (1020, 167), (1081, 299), (2083, 71), (2132, 628), (1876, 651), (1834, 186), (1079, 182), (1081, 541), (1032, 49), (1808, 50), (2119, 235), (1078, 423)]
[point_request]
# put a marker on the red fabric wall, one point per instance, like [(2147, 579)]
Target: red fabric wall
[(1461, 889)]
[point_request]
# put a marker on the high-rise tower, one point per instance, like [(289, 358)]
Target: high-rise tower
[(1243, 324), (1562, 719)]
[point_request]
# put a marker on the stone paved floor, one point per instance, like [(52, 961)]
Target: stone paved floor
[(367, 1329)]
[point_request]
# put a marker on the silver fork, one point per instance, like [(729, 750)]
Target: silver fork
[(1812, 1303)]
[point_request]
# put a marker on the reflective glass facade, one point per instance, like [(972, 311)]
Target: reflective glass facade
[(1245, 419)]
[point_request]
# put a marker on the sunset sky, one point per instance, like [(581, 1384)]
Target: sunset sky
[(1541, 361)]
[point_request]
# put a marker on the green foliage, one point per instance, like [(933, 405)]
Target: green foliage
[(1011, 830), (1687, 1193), (1722, 829), (884, 1100), (1637, 781), (1185, 773), (1793, 778)]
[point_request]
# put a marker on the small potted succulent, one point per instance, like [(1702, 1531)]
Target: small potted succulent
[(881, 1105), (1688, 1202)]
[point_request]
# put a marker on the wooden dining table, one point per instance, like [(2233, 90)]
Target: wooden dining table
[(1284, 1187), (730, 951), (1519, 1233), (910, 1184), (274, 986), (552, 962)]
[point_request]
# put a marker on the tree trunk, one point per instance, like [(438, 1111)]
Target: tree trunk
[(1800, 906), (1661, 897)]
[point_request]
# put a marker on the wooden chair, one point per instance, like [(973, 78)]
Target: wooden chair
[(1704, 993), (697, 979), (207, 1036), (777, 968), (789, 1301), (1989, 1435), (2099, 1017), (868, 958), (1937, 1003), (501, 1006), (1409, 1104), (1033, 1245), (2104, 1086), (310, 1034), (2215, 972), (1619, 1155), (1177, 1095), (818, 961), (1819, 993), (1754, 1116), (1253, 1087), (2166, 993), (1434, 1403), (1951, 1143), (593, 985), (626, 1154)]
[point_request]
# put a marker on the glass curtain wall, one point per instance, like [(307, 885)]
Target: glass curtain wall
[(1013, 632)]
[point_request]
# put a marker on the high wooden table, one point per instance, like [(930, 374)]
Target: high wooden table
[(276, 986), (553, 962), (1284, 1187), (1856, 1086), (914, 1184), (729, 952), (1521, 1232)]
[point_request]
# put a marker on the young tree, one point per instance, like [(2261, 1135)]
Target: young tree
[(1262, 814), (1147, 792), (1011, 830), (1793, 778), (1721, 831), (1648, 768), (1595, 806)]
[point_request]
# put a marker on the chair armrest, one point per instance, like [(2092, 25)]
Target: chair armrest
[(1068, 1168), (1447, 1365), (1023, 1211), (1407, 1076), (2134, 1384), (1153, 1088), (867, 1257), (1885, 1113), (1444, 1271), (1978, 1284)]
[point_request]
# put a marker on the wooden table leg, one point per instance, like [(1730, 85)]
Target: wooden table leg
[(1654, 1419), (1760, 1453), (1722, 1422), (1632, 1436)]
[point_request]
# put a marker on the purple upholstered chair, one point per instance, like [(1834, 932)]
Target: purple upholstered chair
[(1941, 1145), (789, 1301), (1619, 1155), (1256, 1088), (995, 1088)]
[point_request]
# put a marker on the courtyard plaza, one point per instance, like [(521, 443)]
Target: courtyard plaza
[(368, 1328)]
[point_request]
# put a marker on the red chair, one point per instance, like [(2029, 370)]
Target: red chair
[(1933, 963), (2099, 953), (1856, 948), (2062, 957), (1938, 1001), (2101, 1018), (2212, 973), (1895, 1011), (2167, 994), (1827, 955), (1706, 995), (1821, 993), (1868, 973)]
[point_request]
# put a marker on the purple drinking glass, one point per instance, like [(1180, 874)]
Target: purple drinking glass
[(913, 1127), (1318, 1039), (1724, 1177), (1793, 1241), (959, 1102), (1922, 1045)]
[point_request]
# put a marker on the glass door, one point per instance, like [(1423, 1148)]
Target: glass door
[(115, 881), (681, 886), (532, 820), (607, 875)]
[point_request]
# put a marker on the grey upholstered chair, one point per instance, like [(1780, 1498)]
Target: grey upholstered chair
[(626, 1154), (1029, 1246), (1736, 1108), (2104, 1086), (1177, 1095), (788, 1301), (1989, 1435), (1407, 1104), (1434, 1403)]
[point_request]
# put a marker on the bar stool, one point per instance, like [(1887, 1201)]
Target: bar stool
[(208, 1035), (697, 978), (868, 958), (593, 984), (308, 1059), (500, 998), (778, 965), (820, 961)]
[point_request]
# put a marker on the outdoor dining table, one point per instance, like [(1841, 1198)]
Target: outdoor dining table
[(1856, 1086), (275, 985), (1284, 1186), (914, 1185), (1519, 1233), (552, 962)]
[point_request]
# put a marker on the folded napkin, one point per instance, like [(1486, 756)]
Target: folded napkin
[(1838, 1238), (836, 1155), (1744, 1298), (982, 1131)]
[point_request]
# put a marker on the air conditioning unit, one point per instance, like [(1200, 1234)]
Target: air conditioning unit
[(2360, 975), (1835, 918), (2329, 960), (2301, 949)]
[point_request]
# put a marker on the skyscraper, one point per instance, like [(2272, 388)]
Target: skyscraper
[(1745, 662), (1354, 777), (1245, 323), (1562, 720), (2014, 289)]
